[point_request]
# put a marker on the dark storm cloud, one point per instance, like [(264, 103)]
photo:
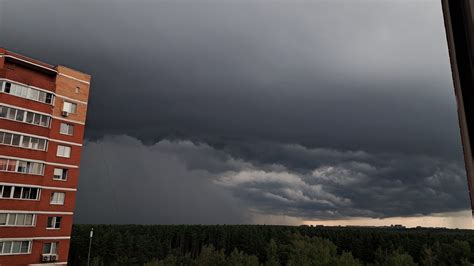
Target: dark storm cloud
[(363, 75), (303, 108), (128, 182), (186, 182)]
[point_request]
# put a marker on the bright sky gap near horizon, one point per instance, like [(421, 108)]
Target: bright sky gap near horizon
[(257, 111)]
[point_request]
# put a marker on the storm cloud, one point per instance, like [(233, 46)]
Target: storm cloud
[(309, 109), (186, 182)]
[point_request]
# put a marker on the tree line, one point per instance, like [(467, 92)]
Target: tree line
[(269, 245)]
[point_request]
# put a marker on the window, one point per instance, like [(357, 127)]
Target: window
[(57, 198), (17, 219), (23, 141), (24, 116), (18, 166), (27, 92), (15, 247), (54, 222), (60, 174), (63, 151), (25, 193), (66, 129), (15, 140), (50, 248), (69, 107)]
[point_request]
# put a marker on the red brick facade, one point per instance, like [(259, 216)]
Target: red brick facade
[(29, 193)]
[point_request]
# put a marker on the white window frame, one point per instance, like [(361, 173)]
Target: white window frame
[(16, 215), (51, 249), (57, 198), (63, 151), (20, 164), (29, 140), (63, 170), (27, 92), (54, 220), (69, 107), (12, 192), (10, 110), (10, 252), (68, 127)]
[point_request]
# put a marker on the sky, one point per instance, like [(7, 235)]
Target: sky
[(242, 112)]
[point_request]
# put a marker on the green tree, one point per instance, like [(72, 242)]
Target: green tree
[(346, 259), (311, 251), (427, 257), (399, 258), (239, 258), (272, 254), (211, 257)]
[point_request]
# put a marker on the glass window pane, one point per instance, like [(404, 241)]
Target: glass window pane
[(29, 117), (11, 113), (49, 98), (34, 143), (3, 218), (58, 173), (58, 222), (23, 91), (20, 219), (6, 191), (16, 247), (29, 219), (3, 111), (37, 119), (7, 139), (19, 115), (7, 247), (26, 142), (34, 193), (42, 144), (17, 192), (46, 248), (25, 246), (22, 166), (42, 96), (7, 88), (16, 140), (26, 193), (33, 94), (11, 219), (3, 164), (44, 121), (49, 223), (11, 165)]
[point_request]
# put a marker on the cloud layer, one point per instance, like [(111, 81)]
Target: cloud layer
[(185, 182)]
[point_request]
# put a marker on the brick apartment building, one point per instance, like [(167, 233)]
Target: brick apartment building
[(42, 118)]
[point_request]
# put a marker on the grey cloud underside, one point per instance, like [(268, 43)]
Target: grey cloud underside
[(127, 181), (305, 108), (365, 75)]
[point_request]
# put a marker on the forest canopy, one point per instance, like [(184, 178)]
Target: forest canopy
[(269, 245)]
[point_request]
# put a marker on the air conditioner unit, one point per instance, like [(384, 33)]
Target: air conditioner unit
[(45, 258), (64, 113), (53, 257)]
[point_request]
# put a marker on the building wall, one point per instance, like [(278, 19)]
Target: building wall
[(67, 85)]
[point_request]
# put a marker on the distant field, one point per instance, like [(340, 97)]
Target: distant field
[(269, 245)]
